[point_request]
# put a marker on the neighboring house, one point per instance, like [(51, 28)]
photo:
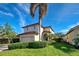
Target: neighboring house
[(71, 34), (31, 32)]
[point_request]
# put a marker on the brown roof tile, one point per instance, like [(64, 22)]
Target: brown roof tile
[(32, 32)]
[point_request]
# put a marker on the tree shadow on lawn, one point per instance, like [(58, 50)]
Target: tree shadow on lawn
[(64, 47)]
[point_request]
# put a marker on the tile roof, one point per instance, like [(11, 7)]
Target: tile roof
[(72, 29), (31, 32), (30, 25)]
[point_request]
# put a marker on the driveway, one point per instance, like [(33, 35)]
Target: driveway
[(3, 47)]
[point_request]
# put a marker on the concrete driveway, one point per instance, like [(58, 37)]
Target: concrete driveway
[(3, 47)]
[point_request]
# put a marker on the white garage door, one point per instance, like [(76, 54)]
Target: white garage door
[(27, 39)]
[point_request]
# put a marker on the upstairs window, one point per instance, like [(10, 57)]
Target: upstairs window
[(27, 28), (34, 27)]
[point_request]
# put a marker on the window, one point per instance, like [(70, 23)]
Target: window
[(27, 28), (34, 27)]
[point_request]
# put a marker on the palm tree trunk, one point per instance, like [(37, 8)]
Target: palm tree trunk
[(39, 29)]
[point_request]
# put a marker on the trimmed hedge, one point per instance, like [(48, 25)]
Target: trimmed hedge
[(37, 44), (19, 45)]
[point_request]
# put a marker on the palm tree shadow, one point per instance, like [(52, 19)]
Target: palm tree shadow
[(64, 47)]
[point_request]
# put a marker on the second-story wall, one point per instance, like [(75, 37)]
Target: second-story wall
[(32, 28), (48, 29)]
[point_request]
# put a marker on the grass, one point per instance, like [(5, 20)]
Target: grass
[(56, 49)]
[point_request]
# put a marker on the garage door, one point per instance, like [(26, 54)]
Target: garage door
[(27, 39)]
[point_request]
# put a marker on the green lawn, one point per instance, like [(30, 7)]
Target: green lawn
[(56, 49)]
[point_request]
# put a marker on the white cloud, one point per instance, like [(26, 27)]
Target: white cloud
[(25, 7), (69, 27), (7, 14), (64, 30), (21, 19)]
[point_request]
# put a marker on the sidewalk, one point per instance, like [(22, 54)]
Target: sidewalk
[(3, 47)]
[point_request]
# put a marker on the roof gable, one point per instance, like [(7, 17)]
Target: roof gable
[(30, 25), (72, 29)]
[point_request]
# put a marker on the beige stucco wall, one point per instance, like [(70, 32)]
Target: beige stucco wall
[(33, 37), (48, 29), (27, 38), (69, 37)]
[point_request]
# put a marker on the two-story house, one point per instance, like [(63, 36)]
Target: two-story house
[(31, 32)]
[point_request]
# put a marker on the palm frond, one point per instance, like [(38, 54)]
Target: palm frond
[(33, 8), (42, 10)]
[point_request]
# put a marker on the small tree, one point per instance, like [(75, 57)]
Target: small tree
[(58, 37), (76, 41), (48, 36), (10, 36), (8, 32), (1, 30)]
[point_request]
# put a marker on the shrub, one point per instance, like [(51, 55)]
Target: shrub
[(18, 45), (76, 42), (57, 39), (37, 44), (50, 42), (21, 45)]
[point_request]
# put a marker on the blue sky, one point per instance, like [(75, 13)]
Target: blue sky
[(61, 17)]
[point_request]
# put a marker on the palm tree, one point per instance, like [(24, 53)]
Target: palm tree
[(42, 11)]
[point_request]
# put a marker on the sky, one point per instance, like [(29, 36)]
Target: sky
[(60, 16)]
